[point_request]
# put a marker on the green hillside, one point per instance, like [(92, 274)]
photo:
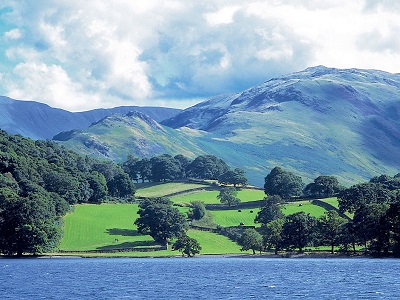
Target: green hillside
[(110, 227)]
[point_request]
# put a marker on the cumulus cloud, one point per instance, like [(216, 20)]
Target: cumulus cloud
[(85, 54), (13, 34)]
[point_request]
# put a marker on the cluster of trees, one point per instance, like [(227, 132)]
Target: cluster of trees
[(163, 222), (288, 186), (38, 182), (375, 225), (166, 167)]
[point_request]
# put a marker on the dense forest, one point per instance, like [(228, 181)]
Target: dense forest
[(39, 181)]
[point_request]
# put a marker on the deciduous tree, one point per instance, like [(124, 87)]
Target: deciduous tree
[(160, 220), (187, 245), (283, 183), (228, 195)]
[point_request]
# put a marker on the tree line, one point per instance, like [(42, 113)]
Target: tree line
[(39, 180), (167, 168), (374, 205)]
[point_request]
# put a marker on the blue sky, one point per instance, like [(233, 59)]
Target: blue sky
[(80, 55)]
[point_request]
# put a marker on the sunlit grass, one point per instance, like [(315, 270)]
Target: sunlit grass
[(305, 206), (234, 217), (162, 189)]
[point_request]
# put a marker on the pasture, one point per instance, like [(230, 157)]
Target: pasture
[(110, 226), (210, 197), (161, 189)]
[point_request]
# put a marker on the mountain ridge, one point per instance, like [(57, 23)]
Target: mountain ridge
[(320, 121), (40, 121)]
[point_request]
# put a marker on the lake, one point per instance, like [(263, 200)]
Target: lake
[(199, 278)]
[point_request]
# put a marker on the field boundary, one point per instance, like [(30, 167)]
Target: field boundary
[(116, 250), (328, 207), (249, 204)]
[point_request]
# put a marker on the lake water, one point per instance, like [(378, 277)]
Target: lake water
[(199, 278)]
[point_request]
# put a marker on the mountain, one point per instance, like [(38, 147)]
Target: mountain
[(322, 120), (116, 136), (40, 121)]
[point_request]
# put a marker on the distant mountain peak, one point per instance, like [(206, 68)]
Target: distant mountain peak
[(40, 121)]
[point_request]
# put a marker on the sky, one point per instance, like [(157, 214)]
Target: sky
[(80, 55)]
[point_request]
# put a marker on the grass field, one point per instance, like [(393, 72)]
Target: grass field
[(93, 227), (110, 226), (210, 197), (162, 189), (228, 218), (306, 206), (332, 201)]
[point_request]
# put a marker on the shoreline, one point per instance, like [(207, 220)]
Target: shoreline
[(307, 255)]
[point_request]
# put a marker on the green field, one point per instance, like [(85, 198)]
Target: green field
[(162, 189), (110, 226), (228, 218), (306, 206), (210, 197), (92, 227), (332, 201)]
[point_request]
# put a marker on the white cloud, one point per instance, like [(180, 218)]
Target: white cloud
[(84, 54), (222, 16), (13, 34), (50, 84)]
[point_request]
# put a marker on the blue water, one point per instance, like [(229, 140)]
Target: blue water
[(199, 278)]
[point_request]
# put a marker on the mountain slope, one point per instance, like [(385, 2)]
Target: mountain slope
[(116, 136), (320, 120), (40, 121)]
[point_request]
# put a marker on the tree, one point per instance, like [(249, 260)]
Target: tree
[(187, 245), (393, 219), (388, 182), (197, 210), (207, 167), (27, 225), (362, 194), (131, 167), (235, 177), (329, 228), (323, 186), (270, 211), (160, 220), (184, 162), (164, 167), (121, 186), (144, 169), (297, 230), (368, 226), (282, 183), (228, 195), (272, 234), (251, 239), (98, 184)]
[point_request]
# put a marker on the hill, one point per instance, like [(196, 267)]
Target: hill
[(116, 136), (40, 121), (320, 120)]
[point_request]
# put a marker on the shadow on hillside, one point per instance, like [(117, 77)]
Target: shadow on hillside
[(128, 245), (123, 232)]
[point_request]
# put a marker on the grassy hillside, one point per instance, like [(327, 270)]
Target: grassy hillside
[(162, 189), (210, 197), (110, 226)]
